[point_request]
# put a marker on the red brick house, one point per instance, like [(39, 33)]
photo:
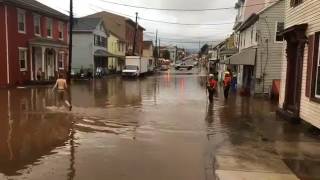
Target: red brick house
[(33, 42)]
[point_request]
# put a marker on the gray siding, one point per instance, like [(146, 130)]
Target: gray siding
[(82, 52), (269, 56)]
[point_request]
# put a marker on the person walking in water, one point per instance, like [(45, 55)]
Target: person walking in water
[(61, 87), (211, 86), (227, 84)]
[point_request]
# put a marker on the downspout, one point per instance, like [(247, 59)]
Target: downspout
[(7, 45)]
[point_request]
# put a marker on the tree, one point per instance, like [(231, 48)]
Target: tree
[(205, 49), (166, 54), (155, 52)]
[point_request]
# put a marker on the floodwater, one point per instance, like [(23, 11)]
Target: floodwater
[(159, 127)]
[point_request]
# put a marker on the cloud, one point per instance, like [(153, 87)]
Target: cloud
[(166, 31)]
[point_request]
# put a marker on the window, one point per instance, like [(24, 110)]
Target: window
[(61, 60), (294, 3), (251, 35), (60, 29), (37, 24), (49, 27), (23, 59), (279, 29), (99, 41), (21, 21)]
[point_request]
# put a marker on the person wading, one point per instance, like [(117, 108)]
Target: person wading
[(61, 87), (227, 84), (211, 86)]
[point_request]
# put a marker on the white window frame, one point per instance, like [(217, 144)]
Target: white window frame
[(317, 74), (275, 34), (51, 26), (61, 54), (23, 12), (61, 29), (24, 49), (37, 17)]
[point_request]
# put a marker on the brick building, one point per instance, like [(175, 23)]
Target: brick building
[(33, 42)]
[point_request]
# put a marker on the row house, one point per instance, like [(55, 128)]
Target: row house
[(260, 50), (33, 42), (300, 79), (90, 40), (124, 28), (117, 51)]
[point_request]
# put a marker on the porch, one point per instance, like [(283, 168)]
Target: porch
[(48, 59)]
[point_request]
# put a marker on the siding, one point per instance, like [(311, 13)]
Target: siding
[(3, 54), (269, 51), (82, 51), (307, 12)]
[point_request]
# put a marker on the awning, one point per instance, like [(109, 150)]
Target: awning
[(103, 53), (48, 43), (245, 57)]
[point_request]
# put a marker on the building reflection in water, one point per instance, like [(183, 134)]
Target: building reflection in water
[(28, 130)]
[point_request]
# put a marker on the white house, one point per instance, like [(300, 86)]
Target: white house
[(300, 80), (89, 45), (260, 49)]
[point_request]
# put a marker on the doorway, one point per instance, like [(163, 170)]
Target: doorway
[(49, 64)]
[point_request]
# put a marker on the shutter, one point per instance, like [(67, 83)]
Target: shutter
[(311, 45)]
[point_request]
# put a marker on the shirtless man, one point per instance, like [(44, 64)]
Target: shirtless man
[(61, 86)]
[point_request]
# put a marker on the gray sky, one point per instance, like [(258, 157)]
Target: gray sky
[(166, 31)]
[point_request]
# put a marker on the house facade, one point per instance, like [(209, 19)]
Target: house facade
[(89, 46), (33, 42), (148, 53), (116, 53), (300, 79), (260, 50), (124, 28)]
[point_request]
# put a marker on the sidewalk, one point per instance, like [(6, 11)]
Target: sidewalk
[(257, 145)]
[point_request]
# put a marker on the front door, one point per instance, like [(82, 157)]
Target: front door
[(293, 77), (295, 52), (49, 64)]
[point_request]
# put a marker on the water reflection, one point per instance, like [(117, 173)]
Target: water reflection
[(28, 131)]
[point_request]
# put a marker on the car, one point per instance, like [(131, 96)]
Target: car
[(183, 66), (164, 67)]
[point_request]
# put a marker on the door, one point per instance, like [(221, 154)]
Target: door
[(294, 76), (49, 65)]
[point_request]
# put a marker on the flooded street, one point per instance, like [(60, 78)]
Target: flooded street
[(159, 127)]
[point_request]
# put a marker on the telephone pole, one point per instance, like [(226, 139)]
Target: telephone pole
[(70, 40), (135, 35)]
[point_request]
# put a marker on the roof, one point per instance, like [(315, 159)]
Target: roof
[(147, 44), (116, 23), (49, 42), (86, 24), (255, 16), (37, 7)]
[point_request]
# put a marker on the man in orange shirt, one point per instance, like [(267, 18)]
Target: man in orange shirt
[(211, 86), (227, 84)]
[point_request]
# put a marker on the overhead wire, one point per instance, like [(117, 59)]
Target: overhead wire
[(183, 10)]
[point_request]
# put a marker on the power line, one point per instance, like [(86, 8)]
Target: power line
[(167, 22), (176, 9)]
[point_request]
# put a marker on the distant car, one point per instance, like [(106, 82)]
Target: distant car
[(183, 66), (196, 63)]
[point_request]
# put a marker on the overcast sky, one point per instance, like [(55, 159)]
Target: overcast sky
[(166, 31)]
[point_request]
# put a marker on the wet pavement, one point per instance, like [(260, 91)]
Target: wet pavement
[(159, 127)]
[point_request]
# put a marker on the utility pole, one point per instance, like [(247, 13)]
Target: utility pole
[(157, 55), (135, 35), (70, 39)]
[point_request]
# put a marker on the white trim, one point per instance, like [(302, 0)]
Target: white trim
[(63, 59), (275, 34), (31, 64), (317, 75), (34, 24), (7, 44), (24, 19), (25, 56)]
